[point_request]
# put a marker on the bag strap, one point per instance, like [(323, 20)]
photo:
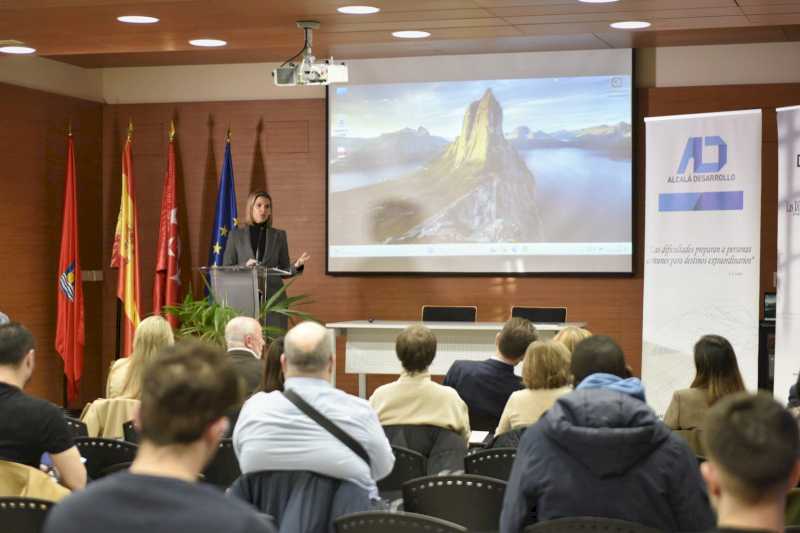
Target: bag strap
[(328, 425)]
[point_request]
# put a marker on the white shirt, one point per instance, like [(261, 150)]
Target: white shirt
[(273, 434)]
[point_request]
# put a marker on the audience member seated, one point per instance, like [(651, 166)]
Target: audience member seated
[(125, 376), (570, 336), (30, 427), (105, 417), (717, 374), (185, 394), (751, 463), (486, 385), (601, 451), (245, 341), (273, 434), (273, 373), (418, 413), (546, 375), (414, 399)]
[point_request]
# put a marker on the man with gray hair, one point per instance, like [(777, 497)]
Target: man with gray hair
[(245, 342), (273, 434)]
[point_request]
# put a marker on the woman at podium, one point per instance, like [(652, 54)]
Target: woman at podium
[(256, 242)]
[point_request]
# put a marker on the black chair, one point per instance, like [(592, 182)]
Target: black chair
[(77, 427), (408, 465), (223, 469), (23, 515), (130, 433), (473, 501), (104, 456), (494, 462), (444, 450), (509, 439), (439, 313), (397, 522), (540, 314), (588, 523)]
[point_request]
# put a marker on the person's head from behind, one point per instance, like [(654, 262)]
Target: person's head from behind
[(416, 348), (273, 373), (258, 208), (16, 352), (153, 334), (546, 366), (515, 337), (597, 354), (570, 336), (245, 332), (186, 393), (716, 367), (307, 352), (751, 446)]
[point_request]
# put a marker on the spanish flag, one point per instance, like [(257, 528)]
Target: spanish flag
[(69, 321), (125, 254)]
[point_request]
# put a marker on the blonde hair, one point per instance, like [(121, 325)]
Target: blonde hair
[(571, 336), (546, 365), (151, 336), (251, 201)]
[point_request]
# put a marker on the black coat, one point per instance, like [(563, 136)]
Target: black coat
[(603, 453)]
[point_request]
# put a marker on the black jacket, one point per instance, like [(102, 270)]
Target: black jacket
[(485, 387), (250, 369), (603, 453)]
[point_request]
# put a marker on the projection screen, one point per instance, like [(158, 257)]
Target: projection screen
[(495, 163)]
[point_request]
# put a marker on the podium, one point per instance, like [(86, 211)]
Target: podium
[(240, 287)]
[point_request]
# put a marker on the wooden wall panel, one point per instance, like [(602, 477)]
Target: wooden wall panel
[(33, 151)]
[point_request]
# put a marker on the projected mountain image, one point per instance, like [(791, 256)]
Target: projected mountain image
[(477, 189)]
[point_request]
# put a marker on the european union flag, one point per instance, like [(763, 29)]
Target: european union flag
[(225, 213)]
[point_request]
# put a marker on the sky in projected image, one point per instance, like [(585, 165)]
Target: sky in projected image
[(548, 104)]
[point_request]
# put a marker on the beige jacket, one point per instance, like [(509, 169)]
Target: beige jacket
[(104, 417), (415, 400), (526, 406), (22, 481), (116, 377), (686, 415)]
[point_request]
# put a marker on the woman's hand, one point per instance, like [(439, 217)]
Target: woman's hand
[(301, 260), (251, 262)]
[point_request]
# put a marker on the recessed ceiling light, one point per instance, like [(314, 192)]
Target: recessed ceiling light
[(15, 47), (630, 25), (357, 10), (411, 34), (207, 42), (137, 19)]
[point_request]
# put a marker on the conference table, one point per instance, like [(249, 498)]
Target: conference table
[(370, 344)]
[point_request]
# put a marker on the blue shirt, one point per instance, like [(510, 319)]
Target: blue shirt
[(273, 434)]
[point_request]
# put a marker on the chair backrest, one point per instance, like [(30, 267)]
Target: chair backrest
[(444, 450), (23, 515), (540, 314), (494, 462), (509, 439), (223, 469), (301, 501), (441, 313), (473, 501), (408, 465), (103, 455), (396, 522), (22, 481), (77, 427), (582, 524), (129, 432), (482, 422)]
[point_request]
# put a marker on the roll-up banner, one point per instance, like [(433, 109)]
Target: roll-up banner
[(787, 312), (702, 244)]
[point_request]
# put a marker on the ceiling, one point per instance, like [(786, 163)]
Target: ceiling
[(86, 32)]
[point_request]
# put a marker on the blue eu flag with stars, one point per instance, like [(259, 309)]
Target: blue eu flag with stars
[(225, 213)]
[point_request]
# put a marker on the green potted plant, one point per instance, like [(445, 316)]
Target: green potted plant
[(205, 319)]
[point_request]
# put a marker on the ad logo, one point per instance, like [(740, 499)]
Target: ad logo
[(694, 152)]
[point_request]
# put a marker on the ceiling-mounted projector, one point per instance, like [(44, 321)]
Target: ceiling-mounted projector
[(309, 71)]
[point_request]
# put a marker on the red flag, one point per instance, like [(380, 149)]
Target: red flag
[(69, 322), (125, 254), (167, 286)]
